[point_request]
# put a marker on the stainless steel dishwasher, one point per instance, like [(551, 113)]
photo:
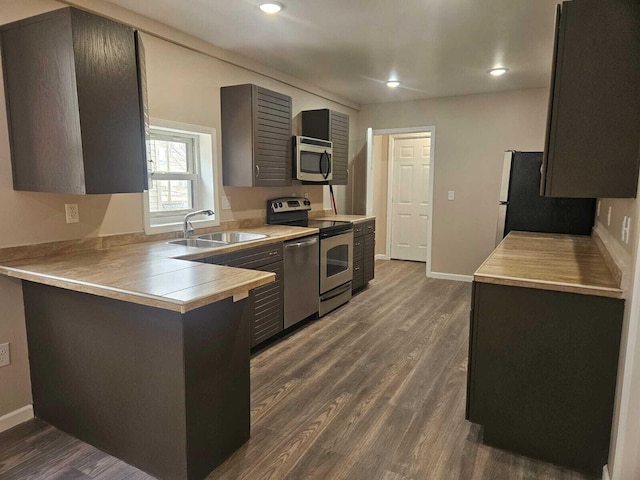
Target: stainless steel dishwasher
[(301, 279)]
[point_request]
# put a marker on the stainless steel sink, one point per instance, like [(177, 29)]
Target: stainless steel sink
[(198, 242), (231, 237)]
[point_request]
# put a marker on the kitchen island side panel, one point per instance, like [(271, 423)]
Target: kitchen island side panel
[(141, 383), (109, 373), (217, 351), (543, 372)]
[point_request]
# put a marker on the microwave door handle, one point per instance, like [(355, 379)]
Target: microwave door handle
[(322, 155)]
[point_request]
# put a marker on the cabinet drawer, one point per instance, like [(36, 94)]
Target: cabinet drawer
[(370, 226), (251, 258), (358, 248), (358, 229)]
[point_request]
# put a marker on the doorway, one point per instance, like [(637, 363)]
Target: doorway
[(400, 164)]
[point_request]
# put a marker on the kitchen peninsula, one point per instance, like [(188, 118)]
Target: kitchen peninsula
[(142, 352)]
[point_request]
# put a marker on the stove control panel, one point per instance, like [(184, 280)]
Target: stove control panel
[(288, 204)]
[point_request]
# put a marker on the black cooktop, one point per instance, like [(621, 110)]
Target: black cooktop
[(294, 211), (325, 226)]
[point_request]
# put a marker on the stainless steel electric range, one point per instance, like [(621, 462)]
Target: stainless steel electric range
[(336, 249)]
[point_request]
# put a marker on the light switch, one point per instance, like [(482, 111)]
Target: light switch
[(451, 195), (609, 217), (598, 209)]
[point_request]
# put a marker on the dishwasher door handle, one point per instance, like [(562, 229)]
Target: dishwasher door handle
[(308, 243)]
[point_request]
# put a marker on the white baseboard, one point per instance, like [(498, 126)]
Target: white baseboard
[(382, 256), (16, 417), (451, 276), (605, 473)]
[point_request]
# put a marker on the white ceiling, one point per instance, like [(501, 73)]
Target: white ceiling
[(436, 48)]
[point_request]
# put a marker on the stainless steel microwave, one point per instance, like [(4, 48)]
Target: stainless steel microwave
[(313, 159)]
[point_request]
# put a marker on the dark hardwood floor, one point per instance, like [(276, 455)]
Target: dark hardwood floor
[(375, 390)]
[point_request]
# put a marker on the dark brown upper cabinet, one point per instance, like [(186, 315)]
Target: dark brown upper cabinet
[(593, 126), (333, 126), (256, 137), (73, 104)]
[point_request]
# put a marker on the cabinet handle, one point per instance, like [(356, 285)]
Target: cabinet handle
[(271, 254), (356, 268), (257, 171), (357, 244)]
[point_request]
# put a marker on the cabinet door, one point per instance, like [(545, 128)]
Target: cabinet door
[(369, 258), (543, 372), (340, 137), (358, 264), (272, 138), (73, 103), (267, 306), (594, 118), (109, 102)]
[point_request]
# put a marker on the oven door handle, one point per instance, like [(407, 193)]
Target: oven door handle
[(333, 234), (308, 243)]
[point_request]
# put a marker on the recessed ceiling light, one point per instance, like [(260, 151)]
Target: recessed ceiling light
[(393, 83), (271, 7), (496, 72)]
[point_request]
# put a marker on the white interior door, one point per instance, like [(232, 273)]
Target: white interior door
[(410, 198)]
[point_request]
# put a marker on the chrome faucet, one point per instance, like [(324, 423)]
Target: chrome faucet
[(187, 228)]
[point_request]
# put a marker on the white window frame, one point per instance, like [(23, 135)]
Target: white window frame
[(192, 175), (205, 173)]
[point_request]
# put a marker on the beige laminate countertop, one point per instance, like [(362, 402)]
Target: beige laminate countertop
[(566, 263), (348, 218), (154, 274)]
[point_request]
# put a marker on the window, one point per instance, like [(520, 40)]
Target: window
[(181, 175), (173, 164)]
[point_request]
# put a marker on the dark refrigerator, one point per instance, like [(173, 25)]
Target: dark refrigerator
[(522, 208)]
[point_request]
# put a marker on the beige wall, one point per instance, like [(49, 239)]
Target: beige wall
[(184, 86), (472, 132), (624, 455)]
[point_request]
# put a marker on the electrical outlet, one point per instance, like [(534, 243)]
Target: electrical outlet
[(623, 234), (5, 355), (226, 202), (72, 212), (306, 195), (451, 195)]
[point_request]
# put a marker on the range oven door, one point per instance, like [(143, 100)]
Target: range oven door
[(336, 261)]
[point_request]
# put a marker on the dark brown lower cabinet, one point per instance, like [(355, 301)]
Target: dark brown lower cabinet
[(364, 246), (163, 391), (358, 263), (267, 314), (266, 302), (542, 372)]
